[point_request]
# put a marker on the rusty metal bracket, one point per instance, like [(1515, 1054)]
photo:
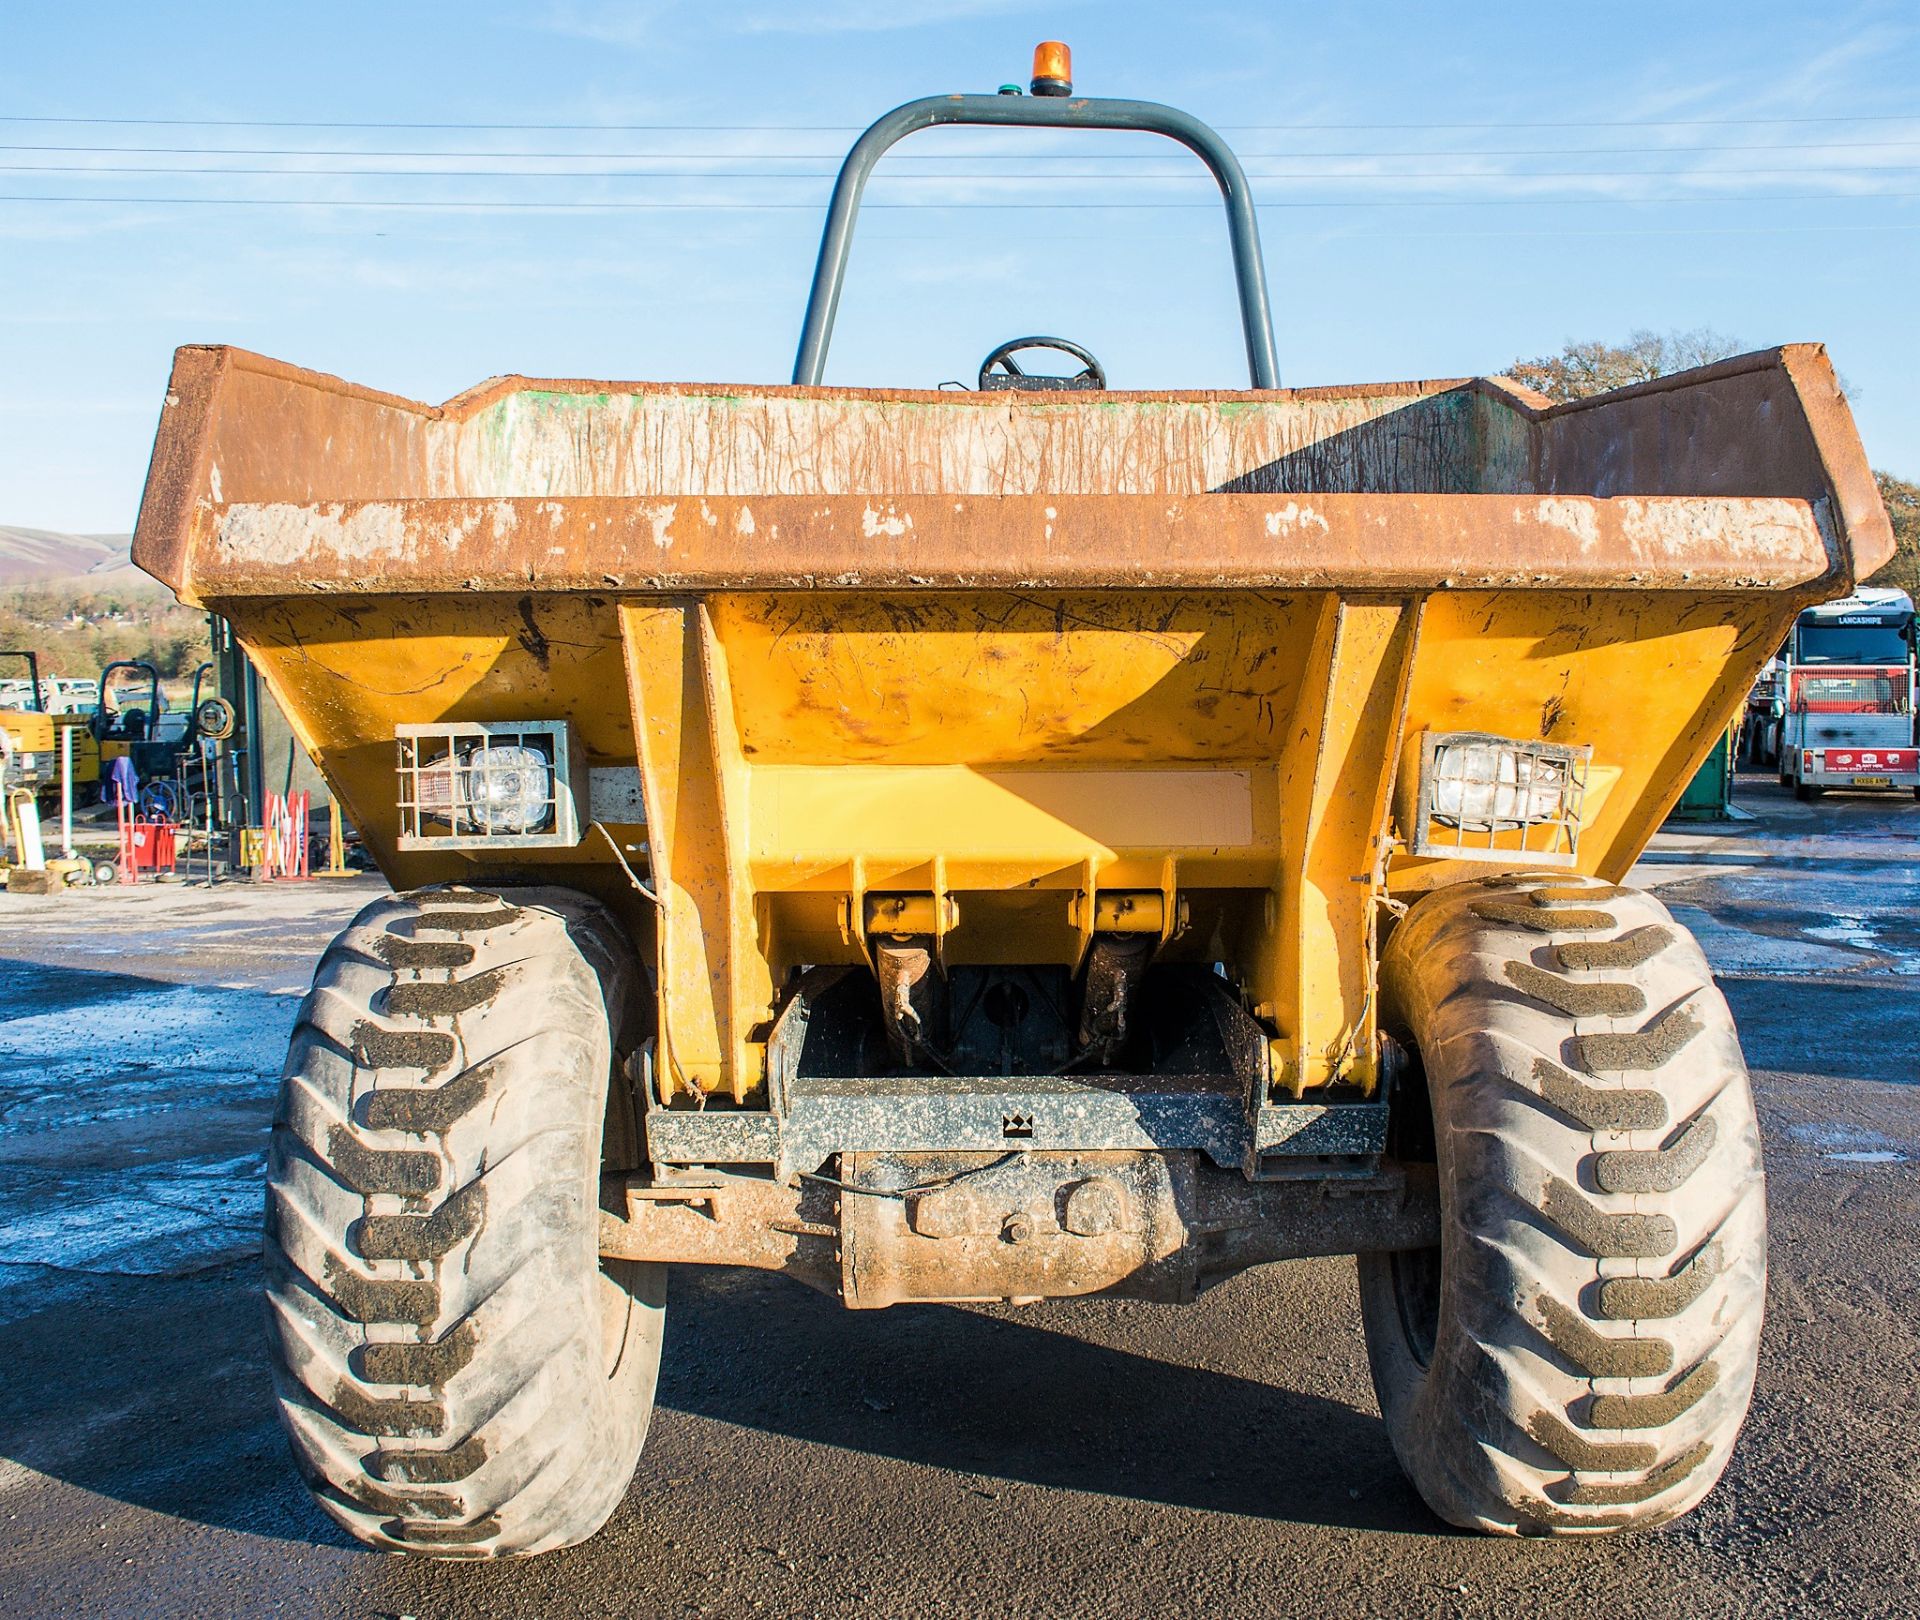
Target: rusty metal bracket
[(1114, 966), (912, 993), (1019, 1227)]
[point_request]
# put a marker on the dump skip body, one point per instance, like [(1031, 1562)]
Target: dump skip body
[(1011, 651)]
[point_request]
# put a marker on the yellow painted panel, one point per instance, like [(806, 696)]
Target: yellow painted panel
[(348, 670), (714, 982), (802, 814), (1011, 748), (1001, 678), (1650, 679), (28, 730), (1314, 958)]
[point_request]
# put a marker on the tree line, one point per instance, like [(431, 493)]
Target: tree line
[(76, 629)]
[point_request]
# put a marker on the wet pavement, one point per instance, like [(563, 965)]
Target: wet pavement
[(1099, 1459)]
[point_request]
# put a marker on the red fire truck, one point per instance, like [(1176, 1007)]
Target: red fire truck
[(1849, 680)]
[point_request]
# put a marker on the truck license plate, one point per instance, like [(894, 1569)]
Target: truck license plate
[(1873, 781)]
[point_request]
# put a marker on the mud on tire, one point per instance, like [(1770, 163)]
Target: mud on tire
[(1578, 1355), (457, 1371)]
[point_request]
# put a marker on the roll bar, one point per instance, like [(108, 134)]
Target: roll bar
[(35, 702), (99, 721), (1040, 112)]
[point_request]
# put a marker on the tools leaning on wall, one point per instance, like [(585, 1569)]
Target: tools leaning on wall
[(282, 845)]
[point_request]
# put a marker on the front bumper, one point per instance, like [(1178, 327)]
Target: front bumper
[(1861, 767)]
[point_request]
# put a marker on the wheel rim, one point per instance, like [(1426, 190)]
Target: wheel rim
[(1416, 1273), (620, 1282), (1416, 1293)]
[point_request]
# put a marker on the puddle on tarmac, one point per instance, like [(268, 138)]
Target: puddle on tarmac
[(133, 1127), (1848, 1144), (1845, 930)]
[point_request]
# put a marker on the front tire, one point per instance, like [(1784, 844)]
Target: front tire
[(457, 1371), (1578, 1355)]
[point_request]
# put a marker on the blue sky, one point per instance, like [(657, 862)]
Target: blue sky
[(1443, 189)]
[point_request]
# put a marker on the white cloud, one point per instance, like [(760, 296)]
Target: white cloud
[(869, 16), (642, 22), (625, 22)]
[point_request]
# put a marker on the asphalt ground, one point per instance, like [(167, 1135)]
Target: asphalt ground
[(1093, 1459)]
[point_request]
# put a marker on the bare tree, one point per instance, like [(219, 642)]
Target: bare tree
[(1592, 367)]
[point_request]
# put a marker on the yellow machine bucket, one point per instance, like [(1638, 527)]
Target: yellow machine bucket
[(1010, 671)]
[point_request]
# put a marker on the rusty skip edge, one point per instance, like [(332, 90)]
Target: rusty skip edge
[(1816, 542), (923, 542)]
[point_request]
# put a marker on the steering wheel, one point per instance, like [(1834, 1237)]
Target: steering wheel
[(1091, 375)]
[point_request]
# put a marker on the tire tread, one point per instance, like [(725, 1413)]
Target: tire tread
[(1605, 1232)]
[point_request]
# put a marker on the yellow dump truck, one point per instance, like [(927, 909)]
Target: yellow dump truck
[(1001, 845)]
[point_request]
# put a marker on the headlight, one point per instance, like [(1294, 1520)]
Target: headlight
[(1483, 786), (488, 784), (1485, 798), (506, 790)]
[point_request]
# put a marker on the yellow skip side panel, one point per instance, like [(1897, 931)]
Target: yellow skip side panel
[(1650, 679), (799, 751), (348, 671)]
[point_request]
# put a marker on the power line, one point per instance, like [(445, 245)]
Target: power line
[(995, 175), (931, 157), (497, 204), (306, 123)]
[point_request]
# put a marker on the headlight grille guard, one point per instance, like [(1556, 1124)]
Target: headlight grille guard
[(1483, 797), (435, 798)]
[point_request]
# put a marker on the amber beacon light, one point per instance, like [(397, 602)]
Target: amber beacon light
[(1052, 69)]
